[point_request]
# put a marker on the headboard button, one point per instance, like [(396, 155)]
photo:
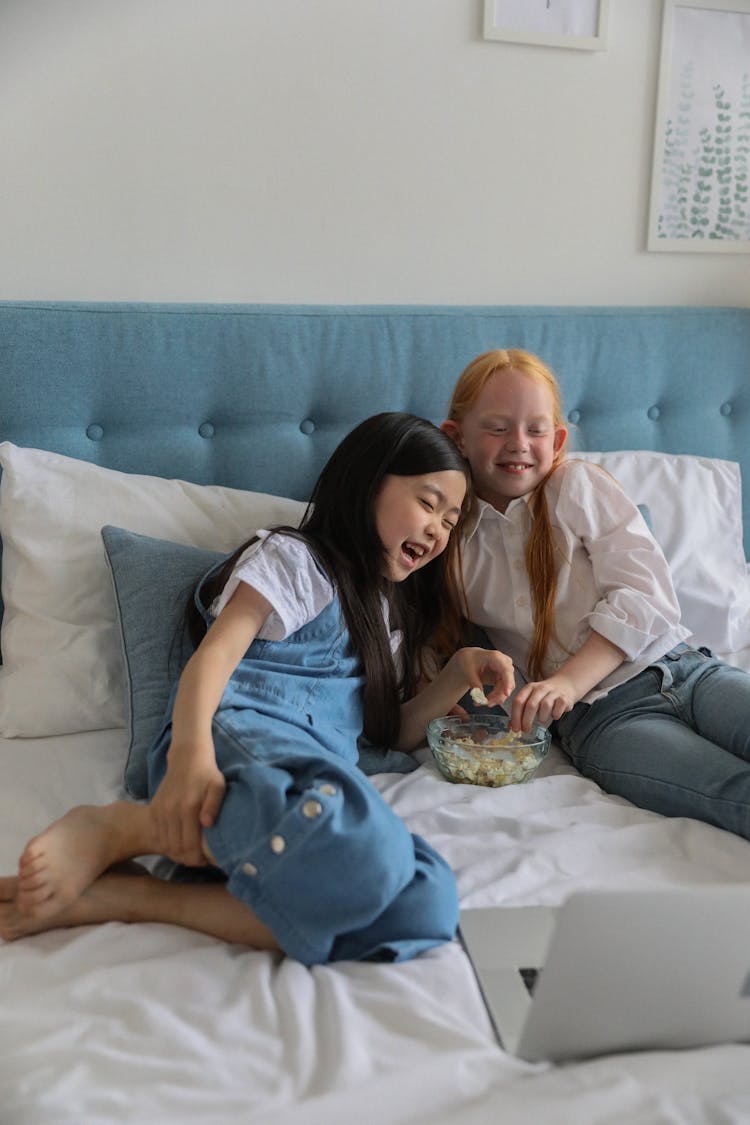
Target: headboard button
[(206, 430), (725, 409), (574, 416), (654, 412), (94, 432), (307, 426)]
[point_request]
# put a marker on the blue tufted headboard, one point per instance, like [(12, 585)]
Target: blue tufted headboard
[(257, 396)]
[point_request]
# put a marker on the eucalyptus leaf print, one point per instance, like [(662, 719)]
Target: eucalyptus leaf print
[(706, 139)]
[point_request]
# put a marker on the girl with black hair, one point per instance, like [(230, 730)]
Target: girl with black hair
[(310, 639)]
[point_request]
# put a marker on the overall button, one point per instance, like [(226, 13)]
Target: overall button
[(328, 789), (311, 809), (249, 869), (278, 843)]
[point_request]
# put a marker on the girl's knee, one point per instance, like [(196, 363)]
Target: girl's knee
[(433, 899), (424, 914), (386, 863), (426, 910)]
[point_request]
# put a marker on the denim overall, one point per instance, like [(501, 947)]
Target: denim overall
[(305, 840)]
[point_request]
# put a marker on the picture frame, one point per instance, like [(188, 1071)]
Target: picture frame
[(581, 24), (701, 158)]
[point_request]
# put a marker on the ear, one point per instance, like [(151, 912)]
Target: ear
[(561, 434), (453, 430)]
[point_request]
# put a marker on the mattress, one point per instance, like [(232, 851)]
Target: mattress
[(123, 1023)]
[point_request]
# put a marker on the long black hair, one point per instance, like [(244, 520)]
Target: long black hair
[(339, 528)]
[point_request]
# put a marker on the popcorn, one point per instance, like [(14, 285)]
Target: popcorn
[(478, 697), (519, 763), (484, 750)]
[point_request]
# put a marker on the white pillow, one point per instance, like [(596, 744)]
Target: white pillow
[(695, 508), (61, 668)]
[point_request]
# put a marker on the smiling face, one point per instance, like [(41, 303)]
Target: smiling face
[(509, 436), (414, 517)]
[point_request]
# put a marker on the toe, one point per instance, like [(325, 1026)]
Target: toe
[(8, 888)]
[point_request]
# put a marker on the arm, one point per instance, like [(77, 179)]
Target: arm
[(615, 596), (548, 699), (467, 668), (191, 793)]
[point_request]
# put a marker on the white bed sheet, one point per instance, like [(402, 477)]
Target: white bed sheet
[(153, 1024)]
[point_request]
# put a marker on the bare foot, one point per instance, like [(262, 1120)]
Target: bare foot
[(102, 901), (12, 924), (121, 895), (59, 864)]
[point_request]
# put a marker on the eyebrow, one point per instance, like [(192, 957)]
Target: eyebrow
[(506, 418), (433, 488)]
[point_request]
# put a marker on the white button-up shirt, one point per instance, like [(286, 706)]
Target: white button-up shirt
[(612, 576)]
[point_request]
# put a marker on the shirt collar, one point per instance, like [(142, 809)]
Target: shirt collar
[(485, 512)]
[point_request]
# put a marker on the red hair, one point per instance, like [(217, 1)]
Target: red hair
[(541, 550)]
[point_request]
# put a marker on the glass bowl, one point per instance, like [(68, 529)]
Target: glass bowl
[(484, 751)]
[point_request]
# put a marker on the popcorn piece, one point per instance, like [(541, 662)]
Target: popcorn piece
[(478, 697)]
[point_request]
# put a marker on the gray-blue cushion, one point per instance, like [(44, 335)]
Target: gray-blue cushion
[(153, 580)]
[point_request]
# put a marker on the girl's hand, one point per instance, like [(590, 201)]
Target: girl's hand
[(542, 702), (481, 666), (467, 668), (546, 700), (187, 801)]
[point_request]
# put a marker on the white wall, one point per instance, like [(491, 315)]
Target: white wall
[(330, 151)]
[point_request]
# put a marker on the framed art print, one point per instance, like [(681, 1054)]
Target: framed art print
[(699, 185), (548, 23)]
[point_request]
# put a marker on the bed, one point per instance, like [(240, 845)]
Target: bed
[(186, 426)]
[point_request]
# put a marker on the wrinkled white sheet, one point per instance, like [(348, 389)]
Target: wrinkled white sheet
[(153, 1024)]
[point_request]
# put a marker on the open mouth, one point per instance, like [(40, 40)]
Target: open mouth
[(413, 552), (515, 467)]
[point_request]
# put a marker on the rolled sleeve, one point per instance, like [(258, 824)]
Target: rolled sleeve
[(612, 576), (636, 602)]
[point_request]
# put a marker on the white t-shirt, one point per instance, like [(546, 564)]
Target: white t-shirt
[(613, 578), (282, 568)]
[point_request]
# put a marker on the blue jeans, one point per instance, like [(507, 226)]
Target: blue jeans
[(674, 739)]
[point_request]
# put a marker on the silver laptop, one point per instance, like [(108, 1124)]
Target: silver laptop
[(615, 970)]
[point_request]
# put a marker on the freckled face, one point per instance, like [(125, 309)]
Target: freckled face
[(509, 437), (414, 517)]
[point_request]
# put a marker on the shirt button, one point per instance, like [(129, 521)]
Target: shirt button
[(278, 843), (522, 602), (328, 789), (249, 869), (311, 809), (519, 564)]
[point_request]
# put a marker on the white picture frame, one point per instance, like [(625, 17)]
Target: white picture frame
[(581, 24), (701, 159)]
